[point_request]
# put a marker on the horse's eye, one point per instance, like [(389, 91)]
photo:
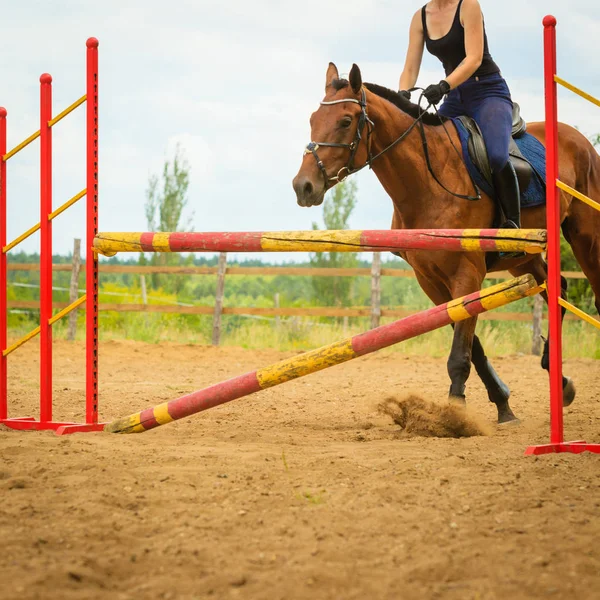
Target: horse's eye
[(346, 122)]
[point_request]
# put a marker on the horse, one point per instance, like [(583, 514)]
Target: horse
[(358, 125)]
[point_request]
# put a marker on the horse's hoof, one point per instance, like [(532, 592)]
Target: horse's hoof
[(511, 420), (568, 391), (458, 401), (506, 416)]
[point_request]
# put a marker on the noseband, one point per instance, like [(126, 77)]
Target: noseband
[(312, 147)]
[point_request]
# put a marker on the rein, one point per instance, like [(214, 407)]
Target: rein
[(363, 120)]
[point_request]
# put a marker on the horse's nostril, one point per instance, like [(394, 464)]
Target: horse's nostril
[(304, 189)]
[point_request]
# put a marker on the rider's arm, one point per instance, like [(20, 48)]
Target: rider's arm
[(414, 54), (472, 20)]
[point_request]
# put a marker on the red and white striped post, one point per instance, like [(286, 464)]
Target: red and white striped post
[(91, 266), (553, 227), (45, 248), (3, 272)]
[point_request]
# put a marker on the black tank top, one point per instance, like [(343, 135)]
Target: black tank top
[(450, 49)]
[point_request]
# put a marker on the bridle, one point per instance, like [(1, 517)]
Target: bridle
[(363, 119), (349, 169)]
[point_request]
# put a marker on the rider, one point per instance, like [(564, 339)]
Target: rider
[(454, 32)]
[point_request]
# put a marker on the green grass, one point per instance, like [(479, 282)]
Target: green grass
[(499, 338)]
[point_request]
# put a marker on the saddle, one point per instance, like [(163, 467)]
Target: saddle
[(479, 156)]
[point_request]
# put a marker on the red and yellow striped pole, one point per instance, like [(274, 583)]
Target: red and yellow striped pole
[(532, 241), (327, 356)]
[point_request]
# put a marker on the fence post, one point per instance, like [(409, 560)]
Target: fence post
[(74, 291), (143, 288), (277, 317), (222, 268), (536, 345), (376, 290)]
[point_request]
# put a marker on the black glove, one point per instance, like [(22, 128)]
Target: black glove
[(434, 93), (404, 94)]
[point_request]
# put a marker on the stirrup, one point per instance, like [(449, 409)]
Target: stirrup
[(510, 224)]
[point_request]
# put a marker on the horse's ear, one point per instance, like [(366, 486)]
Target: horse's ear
[(332, 73), (355, 79)]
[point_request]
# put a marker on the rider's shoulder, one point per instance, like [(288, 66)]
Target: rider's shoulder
[(471, 5), (417, 18)]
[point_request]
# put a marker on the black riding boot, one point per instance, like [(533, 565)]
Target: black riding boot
[(508, 194), (507, 191)]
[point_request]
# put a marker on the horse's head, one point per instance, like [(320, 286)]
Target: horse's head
[(337, 128)]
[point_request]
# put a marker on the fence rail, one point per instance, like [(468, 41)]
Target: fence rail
[(312, 311), (376, 312), (307, 271)]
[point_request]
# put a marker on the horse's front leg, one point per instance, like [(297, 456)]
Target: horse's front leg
[(459, 362), (467, 277), (498, 391), (439, 291)]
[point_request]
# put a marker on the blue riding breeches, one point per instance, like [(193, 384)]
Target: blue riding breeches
[(487, 100)]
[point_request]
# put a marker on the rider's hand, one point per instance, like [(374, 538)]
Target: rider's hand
[(404, 94), (435, 92)]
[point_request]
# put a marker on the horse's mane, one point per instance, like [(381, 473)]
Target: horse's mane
[(411, 109)]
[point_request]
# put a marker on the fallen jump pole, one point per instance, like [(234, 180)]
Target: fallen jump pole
[(328, 356), (532, 241)]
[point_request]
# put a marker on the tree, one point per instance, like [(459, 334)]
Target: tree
[(166, 200), (337, 208)]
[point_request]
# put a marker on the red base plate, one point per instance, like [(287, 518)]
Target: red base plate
[(29, 423), (571, 447)]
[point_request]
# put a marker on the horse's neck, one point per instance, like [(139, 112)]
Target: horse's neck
[(402, 170)]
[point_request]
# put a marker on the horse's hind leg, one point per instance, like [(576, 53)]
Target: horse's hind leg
[(582, 231), (537, 267)]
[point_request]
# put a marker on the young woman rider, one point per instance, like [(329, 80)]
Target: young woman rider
[(454, 32)]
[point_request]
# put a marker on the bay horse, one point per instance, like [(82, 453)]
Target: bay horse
[(364, 124)]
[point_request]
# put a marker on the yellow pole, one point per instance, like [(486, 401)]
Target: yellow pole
[(22, 237), (66, 205), (576, 194), (63, 313), (576, 90), (67, 110), (579, 313), (20, 146)]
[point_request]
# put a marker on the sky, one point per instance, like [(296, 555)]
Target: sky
[(234, 83)]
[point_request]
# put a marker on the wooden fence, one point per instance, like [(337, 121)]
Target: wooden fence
[(375, 311)]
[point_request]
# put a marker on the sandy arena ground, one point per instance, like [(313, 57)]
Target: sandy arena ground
[(301, 491)]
